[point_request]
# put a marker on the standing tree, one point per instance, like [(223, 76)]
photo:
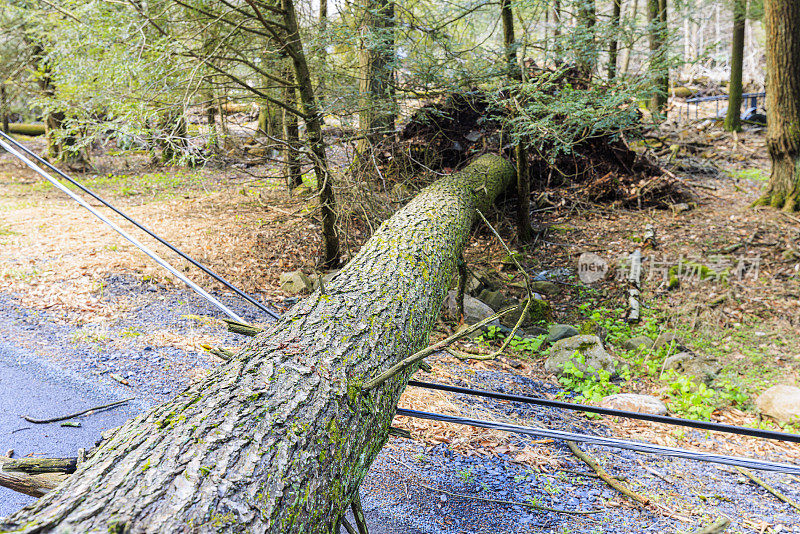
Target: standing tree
[(782, 18), (614, 43), (377, 57), (733, 116), (586, 46), (659, 70)]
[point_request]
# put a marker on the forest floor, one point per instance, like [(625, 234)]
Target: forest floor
[(92, 309)]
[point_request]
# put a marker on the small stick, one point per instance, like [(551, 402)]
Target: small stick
[(528, 289), (778, 494), (608, 479), (513, 503), (358, 514), (467, 356), (424, 353), (242, 328), (347, 526), (77, 414)]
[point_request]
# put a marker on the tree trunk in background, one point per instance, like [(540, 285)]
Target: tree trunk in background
[(279, 438), (626, 63), (659, 71), (514, 74), (586, 45), (612, 46), (782, 21), (291, 135), (555, 17), (376, 85), (323, 53), (211, 117), (733, 117), (509, 40), (4, 106), (314, 138)]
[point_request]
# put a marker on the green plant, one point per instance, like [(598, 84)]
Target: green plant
[(689, 398), (467, 475), (592, 384)]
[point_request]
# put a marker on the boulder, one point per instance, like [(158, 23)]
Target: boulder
[(475, 310), (634, 403), (538, 311), (594, 355), (544, 287), (668, 338), (558, 332), (703, 368), (781, 402), (295, 282), (639, 343), (495, 299)]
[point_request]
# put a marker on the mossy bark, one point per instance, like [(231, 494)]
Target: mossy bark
[(782, 20), (280, 438), (657, 65), (733, 116)]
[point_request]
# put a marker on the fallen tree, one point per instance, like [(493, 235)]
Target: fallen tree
[(280, 438)]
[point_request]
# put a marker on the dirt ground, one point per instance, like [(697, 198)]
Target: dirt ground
[(54, 257)]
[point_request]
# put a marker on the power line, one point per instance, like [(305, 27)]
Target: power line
[(677, 421), (608, 442), (140, 226)]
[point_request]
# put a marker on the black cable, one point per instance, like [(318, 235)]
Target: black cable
[(164, 242), (703, 425), (748, 463)]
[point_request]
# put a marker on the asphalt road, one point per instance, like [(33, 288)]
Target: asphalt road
[(29, 388)]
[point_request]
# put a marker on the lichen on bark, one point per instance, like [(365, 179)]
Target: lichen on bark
[(279, 438)]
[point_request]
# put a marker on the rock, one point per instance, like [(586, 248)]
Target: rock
[(557, 332), (640, 343), (545, 288), (295, 282), (703, 368), (589, 346), (475, 310), (781, 402), (668, 338), (538, 311), (495, 299), (634, 403)]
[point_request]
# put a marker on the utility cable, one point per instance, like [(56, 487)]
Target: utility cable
[(608, 442), (677, 421)]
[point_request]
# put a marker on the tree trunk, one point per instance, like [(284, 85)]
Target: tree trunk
[(514, 74), (587, 50), (782, 20), (626, 63), (509, 40), (316, 142), (555, 16), (279, 438), (733, 117), (291, 135), (659, 71), (4, 106), (612, 46), (377, 56)]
